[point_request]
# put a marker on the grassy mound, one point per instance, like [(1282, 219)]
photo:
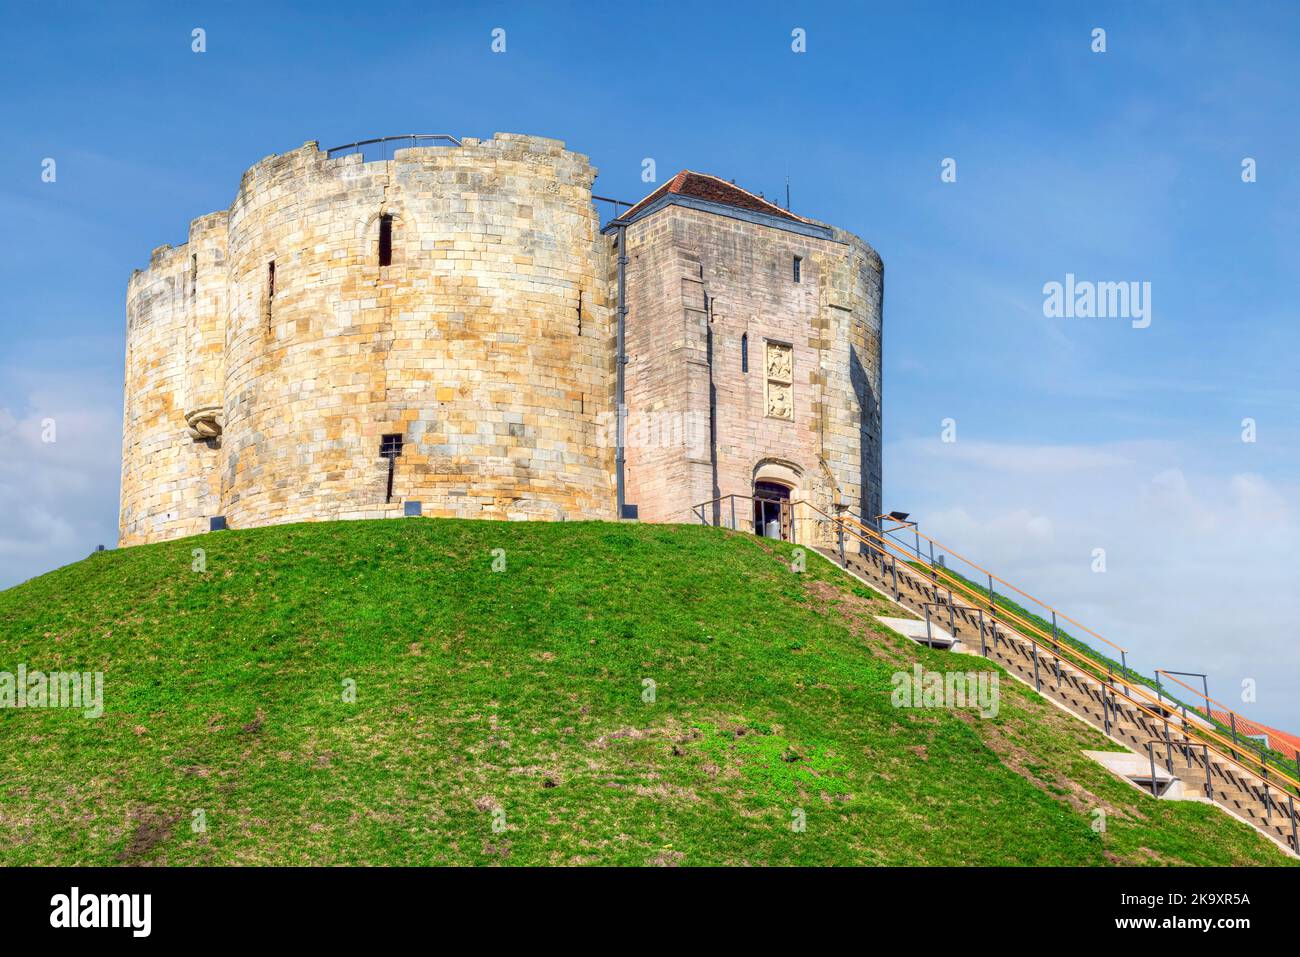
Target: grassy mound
[(616, 694)]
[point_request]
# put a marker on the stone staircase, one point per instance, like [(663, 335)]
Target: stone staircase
[(1065, 675)]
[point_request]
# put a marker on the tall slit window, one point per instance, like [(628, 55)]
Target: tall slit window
[(744, 352), (798, 268), (385, 240), (270, 293)]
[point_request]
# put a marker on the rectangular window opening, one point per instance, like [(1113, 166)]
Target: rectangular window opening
[(798, 268), (385, 240), (270, 294)]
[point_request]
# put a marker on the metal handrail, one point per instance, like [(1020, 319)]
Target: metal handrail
[(1001, 581), (1233, 746), (1189, 730), (1080, 659), (1125, 670), (1209, 715), (409, 137)]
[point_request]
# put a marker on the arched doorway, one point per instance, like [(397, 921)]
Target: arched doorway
[(775, 485), (771, 509)]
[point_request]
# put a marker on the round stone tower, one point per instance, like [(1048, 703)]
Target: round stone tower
[(353, 335)]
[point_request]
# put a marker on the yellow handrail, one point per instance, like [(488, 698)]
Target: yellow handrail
[(1208, 701), (1024, 594), (1187, 728), (1078, 658)]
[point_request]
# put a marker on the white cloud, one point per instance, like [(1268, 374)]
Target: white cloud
[(1020, 459), (58, 499)]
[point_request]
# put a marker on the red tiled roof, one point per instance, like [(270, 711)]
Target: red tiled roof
[(704, 186), (1280, 741)]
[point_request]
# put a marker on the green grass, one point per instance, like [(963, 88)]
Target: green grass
[(500, 717)]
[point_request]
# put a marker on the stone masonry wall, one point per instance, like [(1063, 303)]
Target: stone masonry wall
[(268, 356), (486, 344), (828, 325)]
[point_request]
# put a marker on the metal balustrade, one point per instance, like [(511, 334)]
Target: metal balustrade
[(1147, 708), (411, 140), (1159, 704)]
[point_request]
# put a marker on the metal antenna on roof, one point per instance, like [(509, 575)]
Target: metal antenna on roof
[(787, 192)]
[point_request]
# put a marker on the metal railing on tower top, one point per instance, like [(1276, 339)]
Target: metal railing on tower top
[(380, 144)]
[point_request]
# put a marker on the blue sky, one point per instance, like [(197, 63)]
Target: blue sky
[(1072, 434)]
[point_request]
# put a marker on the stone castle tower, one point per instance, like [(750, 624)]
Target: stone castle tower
[(441, 327)]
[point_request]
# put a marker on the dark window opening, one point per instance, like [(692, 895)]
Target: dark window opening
[(579, 312), (385, 240), (798, 264), (744, 352), (194, 274), (270, 294)]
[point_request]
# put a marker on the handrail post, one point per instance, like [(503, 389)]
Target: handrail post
[(1038, 686), (929, 637), (893, 570), (1209, 788), (733, 511), (1152, 755), (839, 524), (1056, 649), (984, 649), (1295, 841)]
